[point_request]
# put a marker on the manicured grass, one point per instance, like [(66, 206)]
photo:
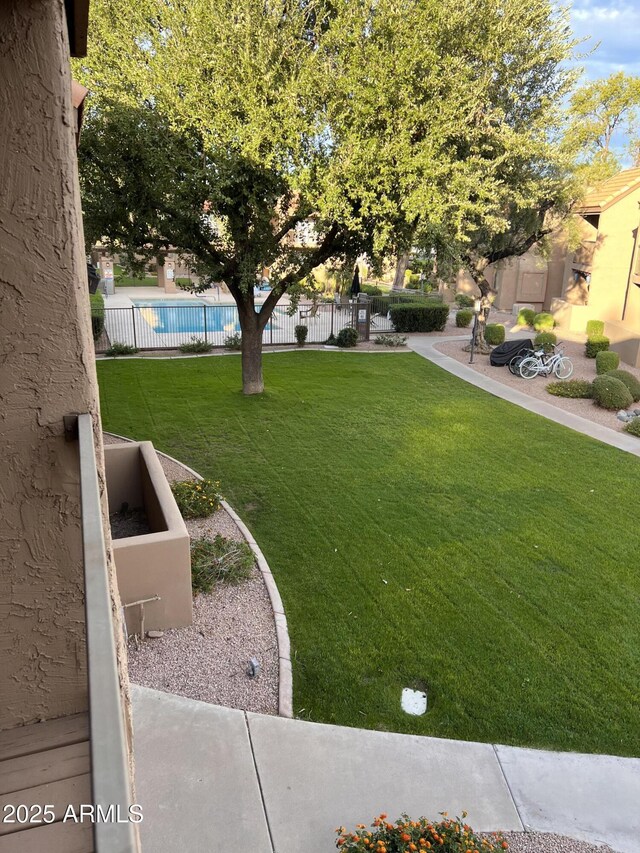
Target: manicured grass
[(421, 533)]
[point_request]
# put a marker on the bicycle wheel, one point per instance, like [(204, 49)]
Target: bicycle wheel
[(529, 367), (514, 365), (563, 368)]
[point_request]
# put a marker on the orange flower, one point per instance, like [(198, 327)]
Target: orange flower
[(382, 816), (505, 846), (405, 836)]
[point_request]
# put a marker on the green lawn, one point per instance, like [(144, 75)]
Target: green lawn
[(421, 532)]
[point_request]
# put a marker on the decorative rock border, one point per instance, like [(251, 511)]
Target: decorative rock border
[(285, 675)]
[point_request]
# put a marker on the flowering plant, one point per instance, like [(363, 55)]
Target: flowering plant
[(197, 498), (408, 836)]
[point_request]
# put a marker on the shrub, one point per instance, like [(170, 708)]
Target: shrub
[(96, 301), (444, 836), (611, 393), (390, 340), (464, 318), (546, 340), (196, 345), (117, 349), (419, 317), (301, 333), (219, 560), (633, 427), (233, 341), (526, 316), (371, 289), (331, 341), (627, 379), (606, 360), (595, 328), (412, 282), (494, 334), (595, 345), (347, 337), (196, 498), (462, 300), (543, 322), (577, 388)]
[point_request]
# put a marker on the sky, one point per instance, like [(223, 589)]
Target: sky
[(616, 25)]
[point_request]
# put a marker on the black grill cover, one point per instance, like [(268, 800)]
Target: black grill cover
[(503, 354)]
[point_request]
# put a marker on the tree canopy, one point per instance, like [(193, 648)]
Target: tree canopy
[(601, 111), (214, 127)]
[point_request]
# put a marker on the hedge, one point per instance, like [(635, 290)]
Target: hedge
[(629, 380), (606, 360), (418, 317), (543, 322), (595, 345), (494, 334), (546, 340), (464, 301), (96, 301), (464, 318), (611, 393), (595, 328), (526, 316), (633, 427)]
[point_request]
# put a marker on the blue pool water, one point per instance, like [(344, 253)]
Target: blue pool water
[(189, 316)]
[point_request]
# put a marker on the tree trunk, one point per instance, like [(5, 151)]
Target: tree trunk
[(487, 296), (252, 381), (401, 268)]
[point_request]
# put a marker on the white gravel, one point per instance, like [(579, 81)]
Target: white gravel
[(542, 842), (208, 660)]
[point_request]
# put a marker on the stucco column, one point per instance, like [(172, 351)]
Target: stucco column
[(48, 371), (167, 275)]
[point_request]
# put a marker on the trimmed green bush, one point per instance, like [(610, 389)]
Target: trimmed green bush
[(464, 318), (462, 300), (526, 316), (419, 317), (494, 334), (595, 345), (611, 393), (347, 337), (301, 333), (371, 289), (543, 322), (546, 340), (629, 380), (576, 388), (606, 360), (595, 328), (633, 427), (96, 300), (233, 341)]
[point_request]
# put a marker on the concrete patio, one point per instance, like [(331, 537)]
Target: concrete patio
[(211, 778)]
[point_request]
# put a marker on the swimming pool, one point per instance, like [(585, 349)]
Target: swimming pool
[(191, 316)]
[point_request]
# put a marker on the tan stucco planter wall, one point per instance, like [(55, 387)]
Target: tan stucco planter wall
[(156, 563)]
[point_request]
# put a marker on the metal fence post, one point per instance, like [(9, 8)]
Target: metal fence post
[(333, 308), (133, 317), (204, 317)]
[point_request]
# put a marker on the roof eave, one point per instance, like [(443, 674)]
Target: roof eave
[(78, 25)]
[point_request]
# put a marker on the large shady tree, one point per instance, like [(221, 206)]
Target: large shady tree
[(215, 127)]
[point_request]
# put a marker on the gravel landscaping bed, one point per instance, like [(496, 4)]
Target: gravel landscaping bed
[(542, 842), (584, 368), (208, 660)]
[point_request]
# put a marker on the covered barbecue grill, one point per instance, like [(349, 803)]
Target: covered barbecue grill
[(503, 354)]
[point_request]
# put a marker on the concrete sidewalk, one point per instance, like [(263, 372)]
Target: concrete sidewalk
[(216, 779), (427, 349)]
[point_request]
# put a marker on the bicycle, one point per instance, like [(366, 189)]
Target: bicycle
[(541, 363), (514, 364)]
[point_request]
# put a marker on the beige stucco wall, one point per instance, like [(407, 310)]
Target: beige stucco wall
[(48, 371), (612, 263)]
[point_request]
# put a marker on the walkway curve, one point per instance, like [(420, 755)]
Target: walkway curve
[(427, 349), (285, 676)]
